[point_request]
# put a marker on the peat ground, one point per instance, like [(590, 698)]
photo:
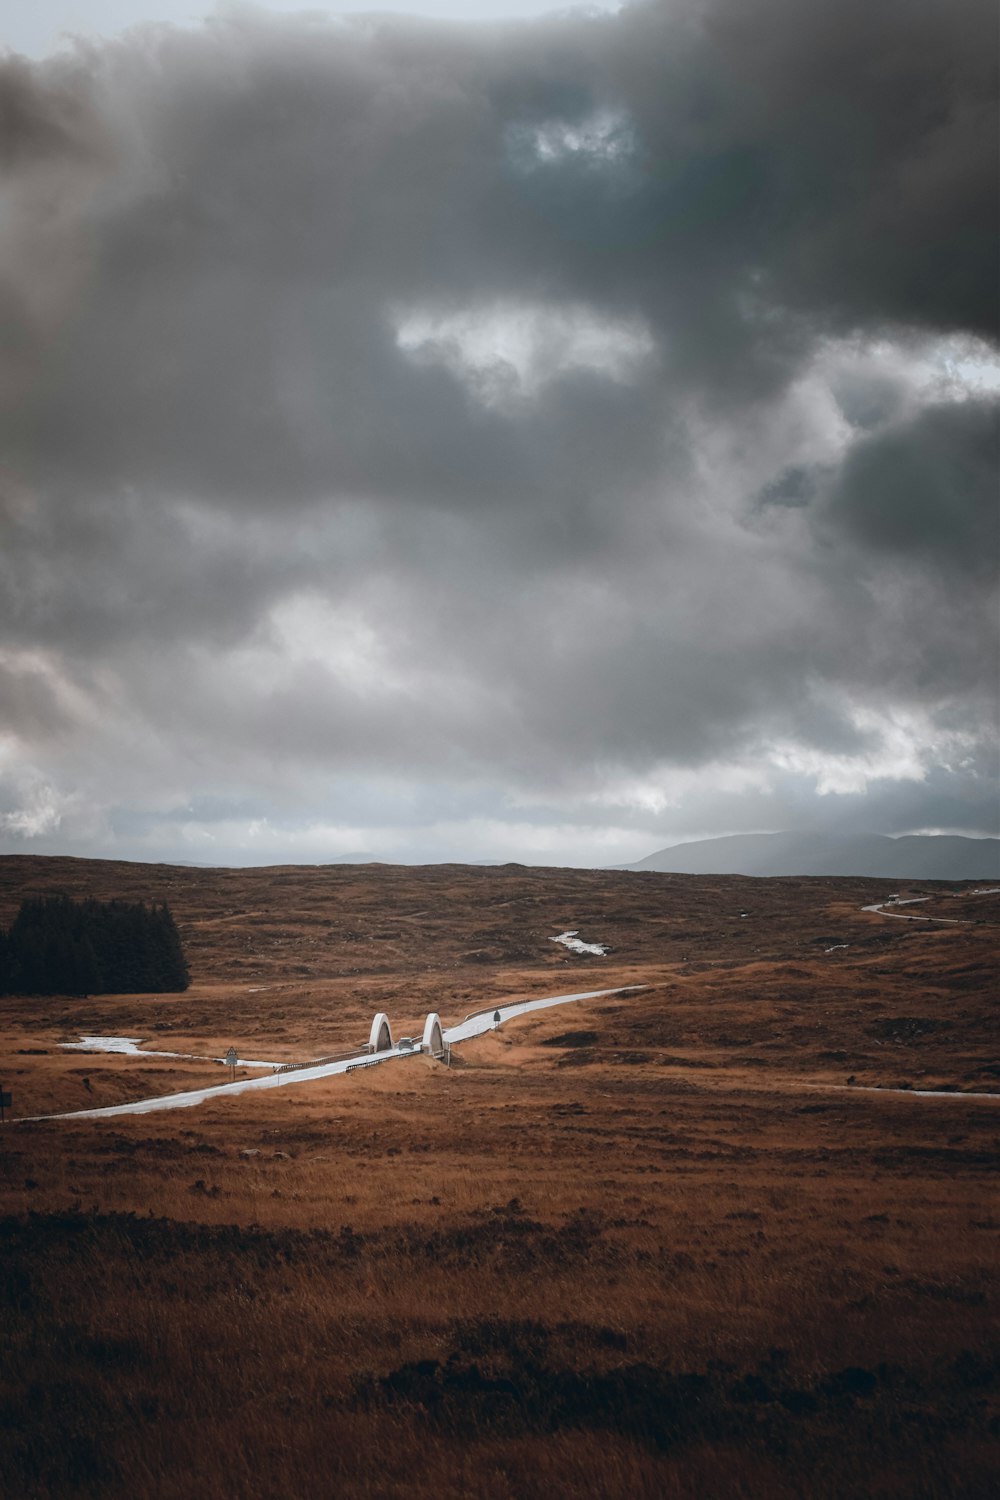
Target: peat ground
[(646, 1245)]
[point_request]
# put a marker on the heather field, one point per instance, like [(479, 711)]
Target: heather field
[(652, 1244)]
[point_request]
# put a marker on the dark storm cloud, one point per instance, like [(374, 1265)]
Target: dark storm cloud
[(844, 147), (46, 118), (245, 273), (277, 189), (928, 489)]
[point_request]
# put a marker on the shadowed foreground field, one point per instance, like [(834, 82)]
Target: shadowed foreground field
[(645, 1245)]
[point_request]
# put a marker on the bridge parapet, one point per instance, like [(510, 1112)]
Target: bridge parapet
[(433, 1042), (380, 1039)]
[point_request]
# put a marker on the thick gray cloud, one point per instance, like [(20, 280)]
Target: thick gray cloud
[(579, 424), (928, 488)]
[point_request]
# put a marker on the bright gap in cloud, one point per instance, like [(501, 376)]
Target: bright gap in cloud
[(903, 744), (785, 457), (604, 136), (511, 351), (900, 744), (307, 628), (40, 811), (952, 368)]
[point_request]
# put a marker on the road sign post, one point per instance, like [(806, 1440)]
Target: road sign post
[(232, 1058), (5, 1103)]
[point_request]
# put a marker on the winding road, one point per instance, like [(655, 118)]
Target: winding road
[(880, 910)]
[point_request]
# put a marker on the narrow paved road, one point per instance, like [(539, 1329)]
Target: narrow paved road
[(880, 910), (474, 1025), (130, 1046)]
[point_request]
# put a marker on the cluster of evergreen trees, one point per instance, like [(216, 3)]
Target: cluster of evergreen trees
[(57, 946)]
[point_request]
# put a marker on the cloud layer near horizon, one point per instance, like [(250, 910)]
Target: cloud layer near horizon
[(538, 441)]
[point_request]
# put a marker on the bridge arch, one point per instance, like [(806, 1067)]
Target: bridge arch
[(433, 1038), (380, 1039)]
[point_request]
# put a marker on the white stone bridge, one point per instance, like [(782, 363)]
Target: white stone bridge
[(435, 1042), (432, 1042)]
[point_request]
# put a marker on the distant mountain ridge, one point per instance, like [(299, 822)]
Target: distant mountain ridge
[(911, 857)]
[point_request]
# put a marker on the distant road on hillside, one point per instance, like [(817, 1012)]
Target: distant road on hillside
[(915, 857)]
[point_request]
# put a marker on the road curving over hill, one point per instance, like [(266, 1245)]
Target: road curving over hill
[(881, 908)]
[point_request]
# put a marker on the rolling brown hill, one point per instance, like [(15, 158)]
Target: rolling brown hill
[(649, 1244)]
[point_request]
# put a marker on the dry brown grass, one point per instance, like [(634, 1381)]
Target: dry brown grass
[(641, 1246)]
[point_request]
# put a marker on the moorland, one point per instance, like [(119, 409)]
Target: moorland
[(707, 1237)]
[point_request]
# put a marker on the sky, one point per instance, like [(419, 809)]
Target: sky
[(496, 434)]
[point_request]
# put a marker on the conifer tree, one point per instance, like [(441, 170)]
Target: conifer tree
[(57, 946)]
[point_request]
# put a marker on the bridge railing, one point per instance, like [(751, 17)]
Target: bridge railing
[(319, 1062), (374, 1060), (490, 1010)]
